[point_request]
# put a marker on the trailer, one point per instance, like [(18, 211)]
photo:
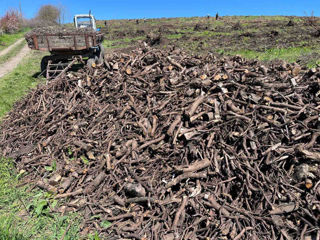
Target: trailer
[(68, 46)]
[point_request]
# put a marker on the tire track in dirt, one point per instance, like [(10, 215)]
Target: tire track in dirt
[(13, 62), (8, 49)]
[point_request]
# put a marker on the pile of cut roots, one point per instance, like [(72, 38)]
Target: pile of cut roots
[(163, 145)]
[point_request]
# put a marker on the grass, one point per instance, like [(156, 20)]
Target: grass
[(110, 44), (290, 54), (26, 214), (211, 34), (120, 43), (174, 36), (261, 17), (224, 35), (12, 53), (128, 40), (8, 39), (186, 30), (313, 63), (15, 84)]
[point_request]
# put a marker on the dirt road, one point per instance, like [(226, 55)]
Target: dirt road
[(8, 49), (14, 61)]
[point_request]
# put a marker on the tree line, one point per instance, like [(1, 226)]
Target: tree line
[(13, 20)]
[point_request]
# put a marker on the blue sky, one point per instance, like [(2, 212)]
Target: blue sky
[(119, 9)]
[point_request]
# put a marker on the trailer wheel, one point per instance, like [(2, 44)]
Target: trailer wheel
[(100, 55), (44, 65)]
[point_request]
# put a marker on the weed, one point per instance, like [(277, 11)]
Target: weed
[(26, 214), (51, 168)]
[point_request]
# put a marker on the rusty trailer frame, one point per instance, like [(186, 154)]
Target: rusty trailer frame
[(95, 39)]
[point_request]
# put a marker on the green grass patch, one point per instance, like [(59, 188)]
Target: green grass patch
[(129, 40), (187, 19), (276, 18), (15, 84), (26, 214), (212, 33), (174, 36), (288, 54), (217, 23), (109, 43), (8, 39), (313, 63), (186, 30), (12, 53), (119, 43)]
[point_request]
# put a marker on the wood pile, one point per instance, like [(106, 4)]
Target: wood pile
[(163, 145)]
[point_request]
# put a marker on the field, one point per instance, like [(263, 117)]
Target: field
[(164, 143), (256, 37)]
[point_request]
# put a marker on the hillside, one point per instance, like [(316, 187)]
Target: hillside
[(265, 38)]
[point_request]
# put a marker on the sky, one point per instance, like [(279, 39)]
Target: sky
[(132, 9)]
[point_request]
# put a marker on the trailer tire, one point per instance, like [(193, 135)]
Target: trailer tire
[(100, 59), (44, 65)]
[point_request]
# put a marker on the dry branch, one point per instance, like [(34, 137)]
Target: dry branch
[(212, 148)]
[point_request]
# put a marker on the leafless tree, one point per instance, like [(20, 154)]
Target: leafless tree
[(49, 14), (63, 11)]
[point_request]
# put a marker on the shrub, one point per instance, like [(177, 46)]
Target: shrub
[(36, 22), (11, 21)]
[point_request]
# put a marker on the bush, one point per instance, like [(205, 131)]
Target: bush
[(36, 23), (11, 21)]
